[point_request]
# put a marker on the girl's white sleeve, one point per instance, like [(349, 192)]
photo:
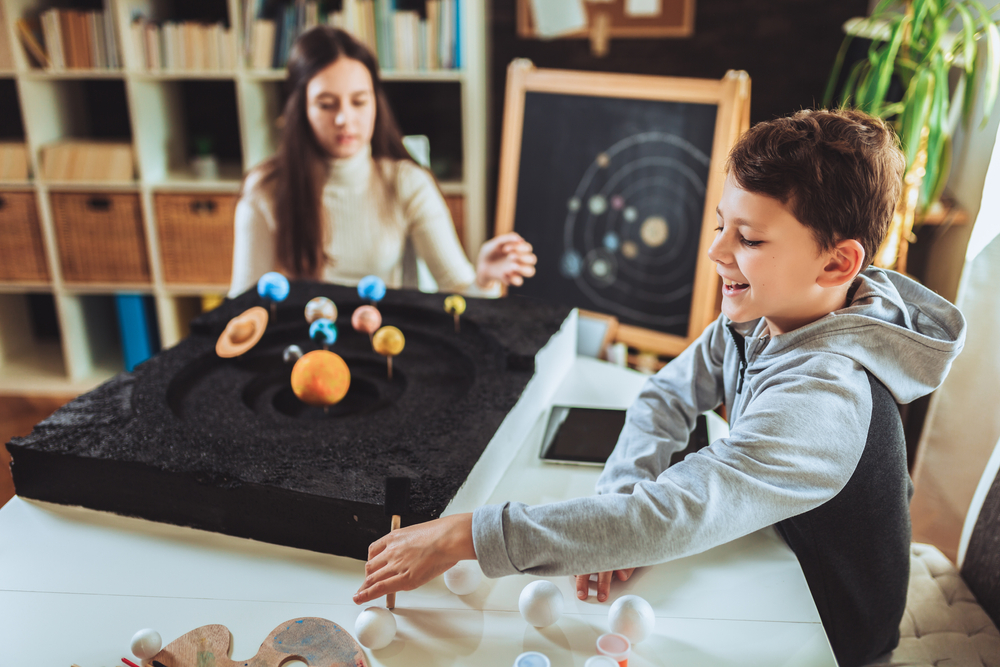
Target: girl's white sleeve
[(432, 231), (253, 243)]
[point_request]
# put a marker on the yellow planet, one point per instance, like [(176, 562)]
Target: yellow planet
[(320, 377), (454, 304), (388, 341)]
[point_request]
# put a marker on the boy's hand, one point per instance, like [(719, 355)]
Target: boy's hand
[(410, 557), (603, 583)]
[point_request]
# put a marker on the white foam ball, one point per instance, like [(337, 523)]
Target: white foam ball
[(375, 627), (146, 643), (541, 603), (632, 616), (464, 577)]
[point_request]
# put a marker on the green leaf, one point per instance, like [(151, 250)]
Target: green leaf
[(886, 64), (838, 66), (968, 38), (850, 86), (918, 107), (992, 72), (935, 190), (937, 123)]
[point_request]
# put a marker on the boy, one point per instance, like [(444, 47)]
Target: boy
[(810, 356)]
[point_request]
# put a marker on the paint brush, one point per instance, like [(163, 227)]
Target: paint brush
[(397, 497)]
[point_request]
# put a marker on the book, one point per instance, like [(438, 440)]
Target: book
[(384, 37), (79, 20), (263, 43), (110, 40), (97, 45), (30, 32), (137, 328), (137, 44), (70, 48), (154, 54), (53, 37), (433, 14)]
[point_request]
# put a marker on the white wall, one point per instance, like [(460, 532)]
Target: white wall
[(963, 419)]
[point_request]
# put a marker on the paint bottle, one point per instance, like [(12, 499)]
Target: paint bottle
[(614, 646), (532, 659), (600, 661)]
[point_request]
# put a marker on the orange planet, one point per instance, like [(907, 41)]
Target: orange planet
[(320, 377)]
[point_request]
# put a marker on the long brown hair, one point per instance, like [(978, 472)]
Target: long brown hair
[(298, 170)]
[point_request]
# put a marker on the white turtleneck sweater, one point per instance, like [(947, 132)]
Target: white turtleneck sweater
[(368, 222)]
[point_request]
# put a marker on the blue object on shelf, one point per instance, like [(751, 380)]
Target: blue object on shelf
[(137, 327)]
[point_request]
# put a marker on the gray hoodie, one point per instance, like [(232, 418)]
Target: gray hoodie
[(801, 412)]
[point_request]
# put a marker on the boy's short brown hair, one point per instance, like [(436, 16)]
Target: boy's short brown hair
[(839, 171)]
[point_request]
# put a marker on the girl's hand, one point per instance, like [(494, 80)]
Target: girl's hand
[(410, 557), (603, 583), (507, 258)]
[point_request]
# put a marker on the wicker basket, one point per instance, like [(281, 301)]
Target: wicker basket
[(196, 237), (22, 254), (101, 238)]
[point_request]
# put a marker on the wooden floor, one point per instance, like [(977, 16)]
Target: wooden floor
[(19, 413)]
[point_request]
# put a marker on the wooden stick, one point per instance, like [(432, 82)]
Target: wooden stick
[(390, 598)]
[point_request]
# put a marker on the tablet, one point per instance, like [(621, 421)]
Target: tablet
[(581, 435), (586, 436)]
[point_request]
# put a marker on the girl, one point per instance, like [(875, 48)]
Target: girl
[(342, 197)]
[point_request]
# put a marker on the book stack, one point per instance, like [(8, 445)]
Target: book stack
[(80, 160), (76, 39), (13, 161), (405, 40), (183, 45)]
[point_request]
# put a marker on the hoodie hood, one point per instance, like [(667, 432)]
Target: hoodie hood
[(903, 333)]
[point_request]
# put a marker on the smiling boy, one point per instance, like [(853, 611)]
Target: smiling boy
[(810, 356)]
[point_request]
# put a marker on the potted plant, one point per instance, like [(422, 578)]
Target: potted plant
[(904, 79)]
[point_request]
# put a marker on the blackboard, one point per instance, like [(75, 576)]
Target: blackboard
[(614, 180)]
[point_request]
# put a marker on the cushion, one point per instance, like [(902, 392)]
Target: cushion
[(943, 624)]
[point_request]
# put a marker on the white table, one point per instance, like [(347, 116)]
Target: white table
[(75, 584)]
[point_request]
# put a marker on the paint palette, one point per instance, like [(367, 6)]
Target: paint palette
[(314, 641)]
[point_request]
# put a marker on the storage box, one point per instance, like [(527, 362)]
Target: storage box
[(79, 160), (13, 161), (22, 253), (196, 237), (101, 237)]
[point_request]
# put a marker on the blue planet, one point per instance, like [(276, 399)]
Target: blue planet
[(324, 331), (371, 288), (274, 286)]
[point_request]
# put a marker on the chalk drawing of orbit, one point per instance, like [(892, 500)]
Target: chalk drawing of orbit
[(633, 225)]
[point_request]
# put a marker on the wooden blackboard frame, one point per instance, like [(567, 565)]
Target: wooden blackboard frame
[(731, 95)]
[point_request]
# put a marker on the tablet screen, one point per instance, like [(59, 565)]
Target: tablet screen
[(582, 435)]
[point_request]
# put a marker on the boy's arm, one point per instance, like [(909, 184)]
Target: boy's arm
[(662, 417), (792, 450)]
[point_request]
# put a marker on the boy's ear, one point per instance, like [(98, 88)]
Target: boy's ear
[(844, 263)]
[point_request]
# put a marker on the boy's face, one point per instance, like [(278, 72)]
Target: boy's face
[(769, 262)]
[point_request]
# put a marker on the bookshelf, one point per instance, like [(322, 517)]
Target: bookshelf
[(58, 320)]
